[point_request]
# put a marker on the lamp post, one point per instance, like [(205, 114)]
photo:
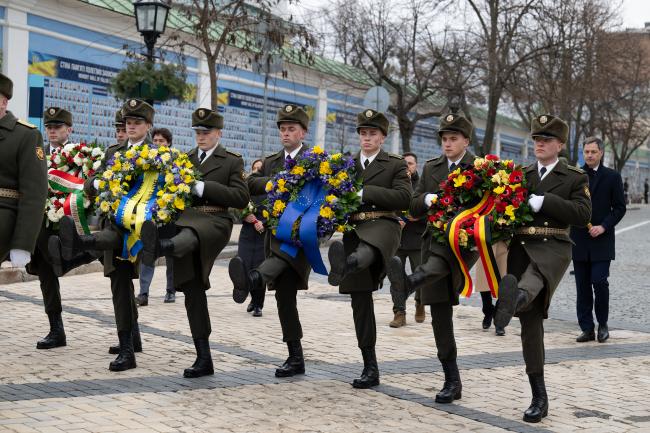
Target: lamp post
[(150, 20)]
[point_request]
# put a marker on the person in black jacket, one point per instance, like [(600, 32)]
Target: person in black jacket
[(594, 245)]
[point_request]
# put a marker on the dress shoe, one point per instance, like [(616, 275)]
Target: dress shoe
[(170, 297), (295, 363), (603, 333), (452, 388), (56, 336), (399, 320), (510, 299), (370, 374), (250, 307), (257, 312), (240, 280), (137, 342), (487, 321), (498, 330), (126, 358), (538, 408), (586, 336), (142, 300), (420, 315), (336, 256), (203, 365)]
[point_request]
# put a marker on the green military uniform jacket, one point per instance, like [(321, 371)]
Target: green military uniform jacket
[(567, 202), (23, 168), (446, 289), (223, 175), (386, 187), (299, 278)]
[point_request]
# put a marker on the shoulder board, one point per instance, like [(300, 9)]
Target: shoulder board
[(576, 169), (530, 166), (393, 155), (234, 153), (114, 144), (434, 159), (25, 123)]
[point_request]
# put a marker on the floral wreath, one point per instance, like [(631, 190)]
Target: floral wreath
[(313, 185), (479, 205), (68, 167)]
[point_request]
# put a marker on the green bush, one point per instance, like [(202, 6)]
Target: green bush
[(148, 81)]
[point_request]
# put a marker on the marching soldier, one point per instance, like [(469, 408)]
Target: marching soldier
[(541, 252), (23, 182), (203, 230), (439, 277), (358, 264), (58, 125), (279, 271), (138, 116)]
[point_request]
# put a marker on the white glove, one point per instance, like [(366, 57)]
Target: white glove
[(428, 199), (198, 187), (360, 194), (96, 184), (19, 258), (536, 202)]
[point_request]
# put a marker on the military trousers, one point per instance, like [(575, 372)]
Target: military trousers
[(415, 259), (122, 289), (196, 306), (8, 218), (363, 313), (442, 322), (49, 282)]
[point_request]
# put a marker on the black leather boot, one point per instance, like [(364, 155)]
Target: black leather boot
[(150, 248), (126, 358), (539, 405), (56, 337), (71, 242), (203, 364), (240, 279), (511, 299), (336, 257), (452, 389), (137, 342), (370, 375), (295, 363)]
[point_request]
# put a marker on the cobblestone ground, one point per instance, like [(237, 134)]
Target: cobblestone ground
[(592, 387)]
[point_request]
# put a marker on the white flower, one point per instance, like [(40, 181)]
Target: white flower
[(96, 164), (52, 216), (97, 152), (60, 213)]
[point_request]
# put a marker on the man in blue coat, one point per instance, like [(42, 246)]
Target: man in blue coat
[(594, 245)]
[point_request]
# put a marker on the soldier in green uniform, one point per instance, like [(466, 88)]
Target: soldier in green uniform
[(120, 127), (439, 277), (23, 182), (138, 116), (540, 252), (58, 125), (203, 230), (281, 272), (358, 264)]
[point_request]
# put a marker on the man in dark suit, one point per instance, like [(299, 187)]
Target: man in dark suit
[(439, 277), (540, 252), (409, 248), (279, 271), (358, 264), (203, 230), (594, 245)]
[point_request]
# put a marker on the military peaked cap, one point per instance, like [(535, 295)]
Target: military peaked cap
[(205, 118), (6, 86), (139, 109), (119, 119), (370, 118), (455, 122), (56, 115), (293, 113), (549, 126)]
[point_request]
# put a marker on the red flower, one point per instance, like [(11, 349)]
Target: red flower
[(447, 200), (491, 157), (506, 192), (516, 176), (470, 231), (432, 218), (491, 172), (500, 207)]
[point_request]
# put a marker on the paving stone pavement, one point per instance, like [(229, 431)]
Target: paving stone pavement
[(592, 387)]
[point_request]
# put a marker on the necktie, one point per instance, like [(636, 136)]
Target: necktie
[(202, 157), (541, 172), (591, 172), (366, 163), (452, 167)]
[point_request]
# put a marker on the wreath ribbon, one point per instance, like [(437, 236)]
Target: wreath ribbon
[(134, 209), (305, 207), (482, 238), (74, 201)]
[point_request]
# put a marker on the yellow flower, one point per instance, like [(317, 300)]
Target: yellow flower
[(115, 205), (153, 153), (117, 166), (501, 221), (478, 162), (265, 214), (128, 177), (457, 171), (130, 153), (496, 178), (331, 198), (336, 156), (515, 186), (160, 202), (269, 186), (164, 157), (169, 178), (102, 184), (187, 179), (462, 237), (108, 175), (343, 175), (340, 228), (499, 190), (505, 177), (325, 168), (510, 211), (318, 150), (281, 187), (168, 198), (278, 207), (459, 180), (144, 153), (163, 215), (334, 182), (437, 224), (104, 206), (139, 162), (172, 188), (179, 203), (184, 188), (326, 212), (298, 170), (164, 149)]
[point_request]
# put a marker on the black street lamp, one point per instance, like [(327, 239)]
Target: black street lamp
[(151, 20)]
